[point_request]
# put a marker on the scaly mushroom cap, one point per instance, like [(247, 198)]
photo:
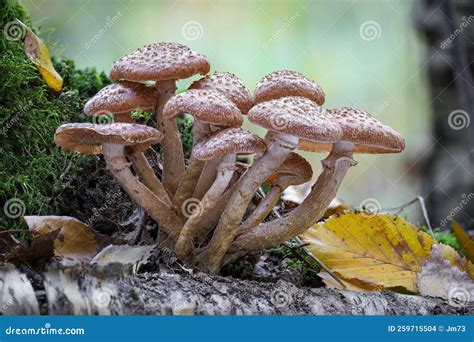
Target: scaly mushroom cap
[(297, 116), (87, 138), (121, 97), (368, 134), (209, 106), (230, 85), (229, 141), (295, 169), (287, 83), (160, 62)]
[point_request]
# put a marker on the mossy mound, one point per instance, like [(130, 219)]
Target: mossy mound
[(31, 166)]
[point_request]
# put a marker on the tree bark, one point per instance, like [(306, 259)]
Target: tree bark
[(91, 292), (445, 167)]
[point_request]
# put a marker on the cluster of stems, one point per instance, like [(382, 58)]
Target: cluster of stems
[(203, 209)]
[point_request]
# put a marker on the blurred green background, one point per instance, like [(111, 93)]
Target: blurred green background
[(364, 54)]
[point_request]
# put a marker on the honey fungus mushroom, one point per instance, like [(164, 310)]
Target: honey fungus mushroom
[(361, 133), (121, 99), (287, 120), (286, 83), (114, 141), (163, 63), (234, 89), (225, 146), (229, 85), (209, 108)]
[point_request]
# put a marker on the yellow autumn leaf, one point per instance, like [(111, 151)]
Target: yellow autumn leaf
[(464, 240), (37, 51), (370, 252)]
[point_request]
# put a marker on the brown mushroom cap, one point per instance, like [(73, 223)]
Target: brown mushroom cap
[(88, 138), (229, 141), (209, 106), (297, 116), (230, 85), (368, 134), (121, 97), (295, 168), (287, 83), (160, 62)]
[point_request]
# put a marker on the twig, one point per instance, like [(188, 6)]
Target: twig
[(419, 199)]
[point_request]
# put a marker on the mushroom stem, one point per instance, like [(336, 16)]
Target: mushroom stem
[(306, 214), (205, 225), (173, 155), (263, 208), (185, 244), (207, 177), (187, 184), (193, 172), (156, 207), (148, 177), (278, 150)]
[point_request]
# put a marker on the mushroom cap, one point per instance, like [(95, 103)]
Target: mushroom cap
[(87, 138), (285, 83), (297, 116), (121, 97), (206, 105), (368, 134), (229, 141), (160, 62), (295, 170), (230, 85)]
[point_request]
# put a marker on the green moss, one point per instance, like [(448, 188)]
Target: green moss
[(31, 165), (299, 261), (185, 128), (445, 237), (142, 115)]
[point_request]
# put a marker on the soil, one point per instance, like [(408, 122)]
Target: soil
[(96, 199)]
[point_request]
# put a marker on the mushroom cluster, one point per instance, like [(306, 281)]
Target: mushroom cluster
[(203, 208)]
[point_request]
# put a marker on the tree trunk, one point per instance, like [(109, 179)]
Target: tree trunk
[(446, 171), (88, 291)]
